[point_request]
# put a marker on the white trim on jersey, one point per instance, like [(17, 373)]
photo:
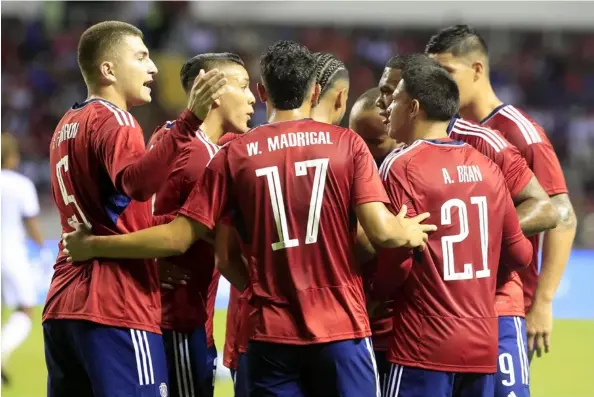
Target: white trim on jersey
[(523, 356), (183, 365), (211, 147), (144, 361), (387, 164), (463, 127), (369, 346), (394, 379), (529, 133), (123, 117)]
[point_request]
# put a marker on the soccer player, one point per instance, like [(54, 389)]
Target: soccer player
[(333, 78), (444, 338), (365, 119), (20, 208), (186, 323), (102, 318), (464, 53), (532, 205), (295, 188)]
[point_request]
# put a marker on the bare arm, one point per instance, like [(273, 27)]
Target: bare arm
[(389, 231), (228, 254), (32, 227), (364, 250), (556, 249), (535, 210), (156, 242)]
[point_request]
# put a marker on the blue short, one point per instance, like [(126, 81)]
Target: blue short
[(383, 367), (240, 377), (344, 368), (513, 367), (190, 363), (417, 382), (86, 359), (212, 360)]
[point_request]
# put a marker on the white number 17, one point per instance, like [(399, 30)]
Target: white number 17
[(278, 203)]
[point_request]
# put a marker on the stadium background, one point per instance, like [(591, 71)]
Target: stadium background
[(542, 59)]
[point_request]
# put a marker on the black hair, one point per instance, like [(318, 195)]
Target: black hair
[(459, 40), (208, 61), (367, 100), (288, 72), (430, 84), (329, 70), (398, 61)]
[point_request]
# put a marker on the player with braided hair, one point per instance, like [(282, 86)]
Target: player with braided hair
[(333, 78)]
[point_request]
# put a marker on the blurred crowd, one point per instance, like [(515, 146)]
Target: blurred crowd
[(548, 73)]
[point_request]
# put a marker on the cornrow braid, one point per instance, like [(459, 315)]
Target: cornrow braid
[(328, 70)]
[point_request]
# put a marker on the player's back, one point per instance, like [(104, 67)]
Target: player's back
[(293, 182), (445, 316), (93, 142), (18, 201)]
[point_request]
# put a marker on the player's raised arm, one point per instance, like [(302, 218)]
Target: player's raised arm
[(128, 165)]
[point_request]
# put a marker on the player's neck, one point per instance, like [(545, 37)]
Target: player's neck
[(321, 113), (429, 130), (277, 115), (109, 94), (212, 127), (482, 106)]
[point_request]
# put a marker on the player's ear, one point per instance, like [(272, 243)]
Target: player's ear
[(415, 108), (107, 71), (479, 69), (262, 94), (341, 99), (315, 96)]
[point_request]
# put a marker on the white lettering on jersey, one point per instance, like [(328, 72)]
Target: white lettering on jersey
[(446, 177), (469, 174), (293, 139)]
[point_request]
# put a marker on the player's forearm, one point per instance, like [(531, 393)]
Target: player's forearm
[(556, 250), (228, 256), (33, 231), (364, 250), (380, 225), (534, 208), (156, 242), (536, 216), (145, 177)]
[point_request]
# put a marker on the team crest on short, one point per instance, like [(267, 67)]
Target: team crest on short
[(163, 389)]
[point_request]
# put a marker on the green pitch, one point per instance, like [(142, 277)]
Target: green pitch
[(568, 371)]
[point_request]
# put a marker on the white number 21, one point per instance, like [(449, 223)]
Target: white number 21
[(278, 203), (447, 242)]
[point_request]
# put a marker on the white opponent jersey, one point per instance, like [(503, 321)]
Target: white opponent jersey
[(19, 201)]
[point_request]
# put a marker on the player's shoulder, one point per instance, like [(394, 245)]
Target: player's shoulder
[(478, 135), (398, 159), (159, 133), (516, 125), (104, 114)]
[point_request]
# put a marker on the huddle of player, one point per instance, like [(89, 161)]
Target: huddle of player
[(324, 251)]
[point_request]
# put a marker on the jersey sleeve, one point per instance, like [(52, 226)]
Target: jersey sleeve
[(515, 170), (30, 203), (367, 185), (121, 149), (209, 198), (546, 167), (516, 249)]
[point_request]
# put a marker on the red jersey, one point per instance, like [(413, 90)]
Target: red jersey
[(444, 317), (293, 194), (517, 174), (184, 308), (534, 145), (99, 168)]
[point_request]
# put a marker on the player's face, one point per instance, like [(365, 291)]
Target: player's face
[(237, 104), (387, 84), (400, 114), (134, 71), (462, 72), (370, 126)]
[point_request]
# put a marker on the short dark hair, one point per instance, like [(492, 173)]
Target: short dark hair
[(99, 40), (460, 40), (208, 61), (288, 72), (430, 84), (398, 61), (368, 99), (329, 70)]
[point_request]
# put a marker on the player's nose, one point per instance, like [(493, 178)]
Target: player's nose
[(152, 69)]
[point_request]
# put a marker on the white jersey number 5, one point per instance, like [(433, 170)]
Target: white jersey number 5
[(69, 198), (278, 203)]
